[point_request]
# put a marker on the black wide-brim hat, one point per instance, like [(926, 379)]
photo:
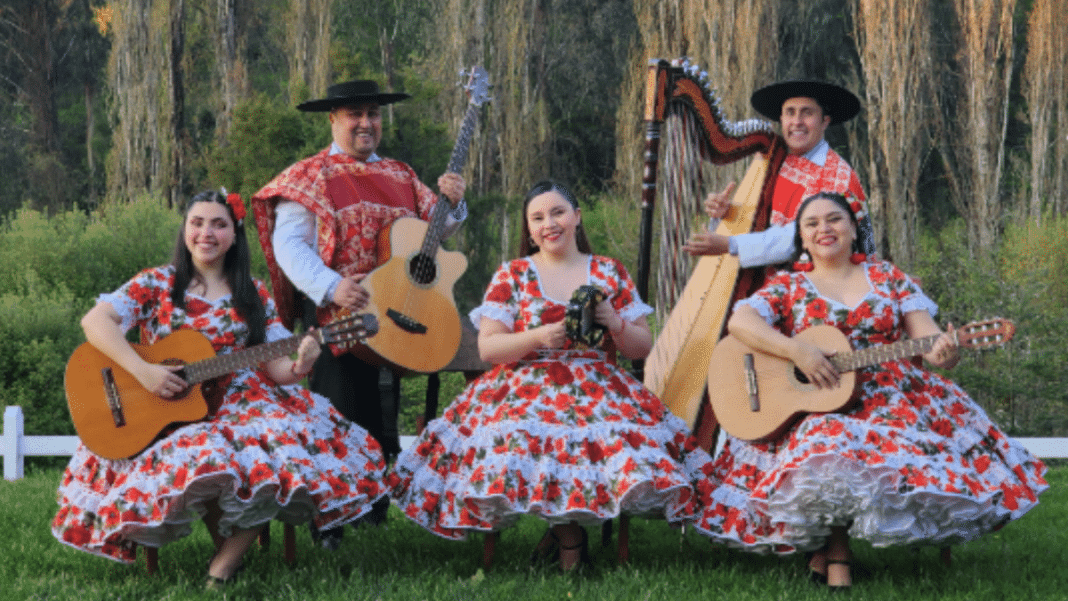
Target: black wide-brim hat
[(349, 93), (836, 101)]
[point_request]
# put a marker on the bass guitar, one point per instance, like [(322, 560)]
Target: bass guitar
[(757, 396), (411, 289), (118, 418)]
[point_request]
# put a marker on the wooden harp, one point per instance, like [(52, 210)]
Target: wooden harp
[(686, 135)]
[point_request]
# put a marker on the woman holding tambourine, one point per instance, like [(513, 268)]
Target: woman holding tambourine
[(555, 430)]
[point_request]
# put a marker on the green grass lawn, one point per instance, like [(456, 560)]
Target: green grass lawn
[(1026, 560)]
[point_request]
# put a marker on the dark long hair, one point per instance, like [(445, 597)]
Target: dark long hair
[(236, 267), (526, 247), (863, 243)]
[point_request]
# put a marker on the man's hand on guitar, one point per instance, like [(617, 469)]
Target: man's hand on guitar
[(812, 361), (452, 185), (350, 295), (161, 380)]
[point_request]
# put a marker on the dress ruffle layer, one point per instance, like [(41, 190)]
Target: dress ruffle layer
[(915, 461), (305, 471), (509, 447)]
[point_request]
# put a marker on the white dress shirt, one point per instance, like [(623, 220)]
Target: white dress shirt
[(775, 244)]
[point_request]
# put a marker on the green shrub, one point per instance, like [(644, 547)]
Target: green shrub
[(38, 332), (1021, 384)]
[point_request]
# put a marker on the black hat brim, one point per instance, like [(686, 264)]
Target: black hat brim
[(836, 101), (329, 104)]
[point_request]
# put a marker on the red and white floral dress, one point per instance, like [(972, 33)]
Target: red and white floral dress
[(563, 434), (270, 452), (915, 461)]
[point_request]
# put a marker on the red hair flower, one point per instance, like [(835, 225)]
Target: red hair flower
[(234, 200)]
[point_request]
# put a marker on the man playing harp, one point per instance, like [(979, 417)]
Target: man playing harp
[(805, 110)]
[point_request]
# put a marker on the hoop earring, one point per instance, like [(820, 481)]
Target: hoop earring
[(804, 263)]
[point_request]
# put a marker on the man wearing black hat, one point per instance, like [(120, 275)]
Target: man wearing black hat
[(318, 223), (805, 108)]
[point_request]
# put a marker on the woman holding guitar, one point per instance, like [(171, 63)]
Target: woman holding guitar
[(913, 461), (555, 430), (269, 450)]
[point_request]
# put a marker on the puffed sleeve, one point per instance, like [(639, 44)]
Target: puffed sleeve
[(137, 300), (906, 291), (613, 277), (501, 301), (275, 329), (771, 300)]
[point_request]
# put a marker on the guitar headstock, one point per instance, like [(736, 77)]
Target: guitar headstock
[(985, 334), (354, 328), (477, 85)]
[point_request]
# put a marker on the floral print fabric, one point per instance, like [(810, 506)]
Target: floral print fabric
[(269, 452), (914, 461), (563, 434)]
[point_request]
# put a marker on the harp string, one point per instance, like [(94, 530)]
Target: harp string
[(684, 176)]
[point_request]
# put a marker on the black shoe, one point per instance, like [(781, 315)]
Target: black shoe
[(330, 538)]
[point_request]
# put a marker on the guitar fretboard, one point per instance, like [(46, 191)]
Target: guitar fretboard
[(436, 229), (883, 353), (220, 365)]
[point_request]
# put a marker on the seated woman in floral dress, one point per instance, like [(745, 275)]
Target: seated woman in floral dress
[(914, 461), (555, 429), (271, 451)]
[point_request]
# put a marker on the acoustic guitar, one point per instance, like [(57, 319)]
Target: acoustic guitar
[(118, 418), (757, 396), (411, 289)]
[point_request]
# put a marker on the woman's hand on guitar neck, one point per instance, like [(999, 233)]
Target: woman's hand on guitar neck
[(161, 380), (946, 352), (813, 362)]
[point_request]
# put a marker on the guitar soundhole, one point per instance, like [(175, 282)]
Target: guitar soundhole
[(422, 269), (801, 377)]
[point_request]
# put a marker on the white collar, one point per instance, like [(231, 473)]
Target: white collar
[(335, 149), (818, 154)]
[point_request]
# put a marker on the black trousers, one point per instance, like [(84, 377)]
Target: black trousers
[(366, 394)]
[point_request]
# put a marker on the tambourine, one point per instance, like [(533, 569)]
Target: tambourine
[(579, 326)]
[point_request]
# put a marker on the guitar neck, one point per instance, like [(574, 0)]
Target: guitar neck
[(220, 365), (883, 353), (436, 229)]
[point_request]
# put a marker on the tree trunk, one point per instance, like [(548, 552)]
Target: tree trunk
[(894, 44), (309, 44), (975, 117)]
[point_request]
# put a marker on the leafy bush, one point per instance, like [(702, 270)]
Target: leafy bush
[(1021, 384), (51, 271)]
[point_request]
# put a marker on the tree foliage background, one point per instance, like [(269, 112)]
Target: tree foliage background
[(961, 144)]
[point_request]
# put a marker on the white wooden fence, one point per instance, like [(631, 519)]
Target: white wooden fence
[(15, 446)]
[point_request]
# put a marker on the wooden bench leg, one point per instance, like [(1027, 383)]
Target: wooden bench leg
[(624, 539), (489, 547), (290, 542), (152, 560), (265, 536), (947, 556)]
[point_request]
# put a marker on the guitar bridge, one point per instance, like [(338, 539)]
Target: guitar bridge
[(751, 383), (405, 323), (111, 393)]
